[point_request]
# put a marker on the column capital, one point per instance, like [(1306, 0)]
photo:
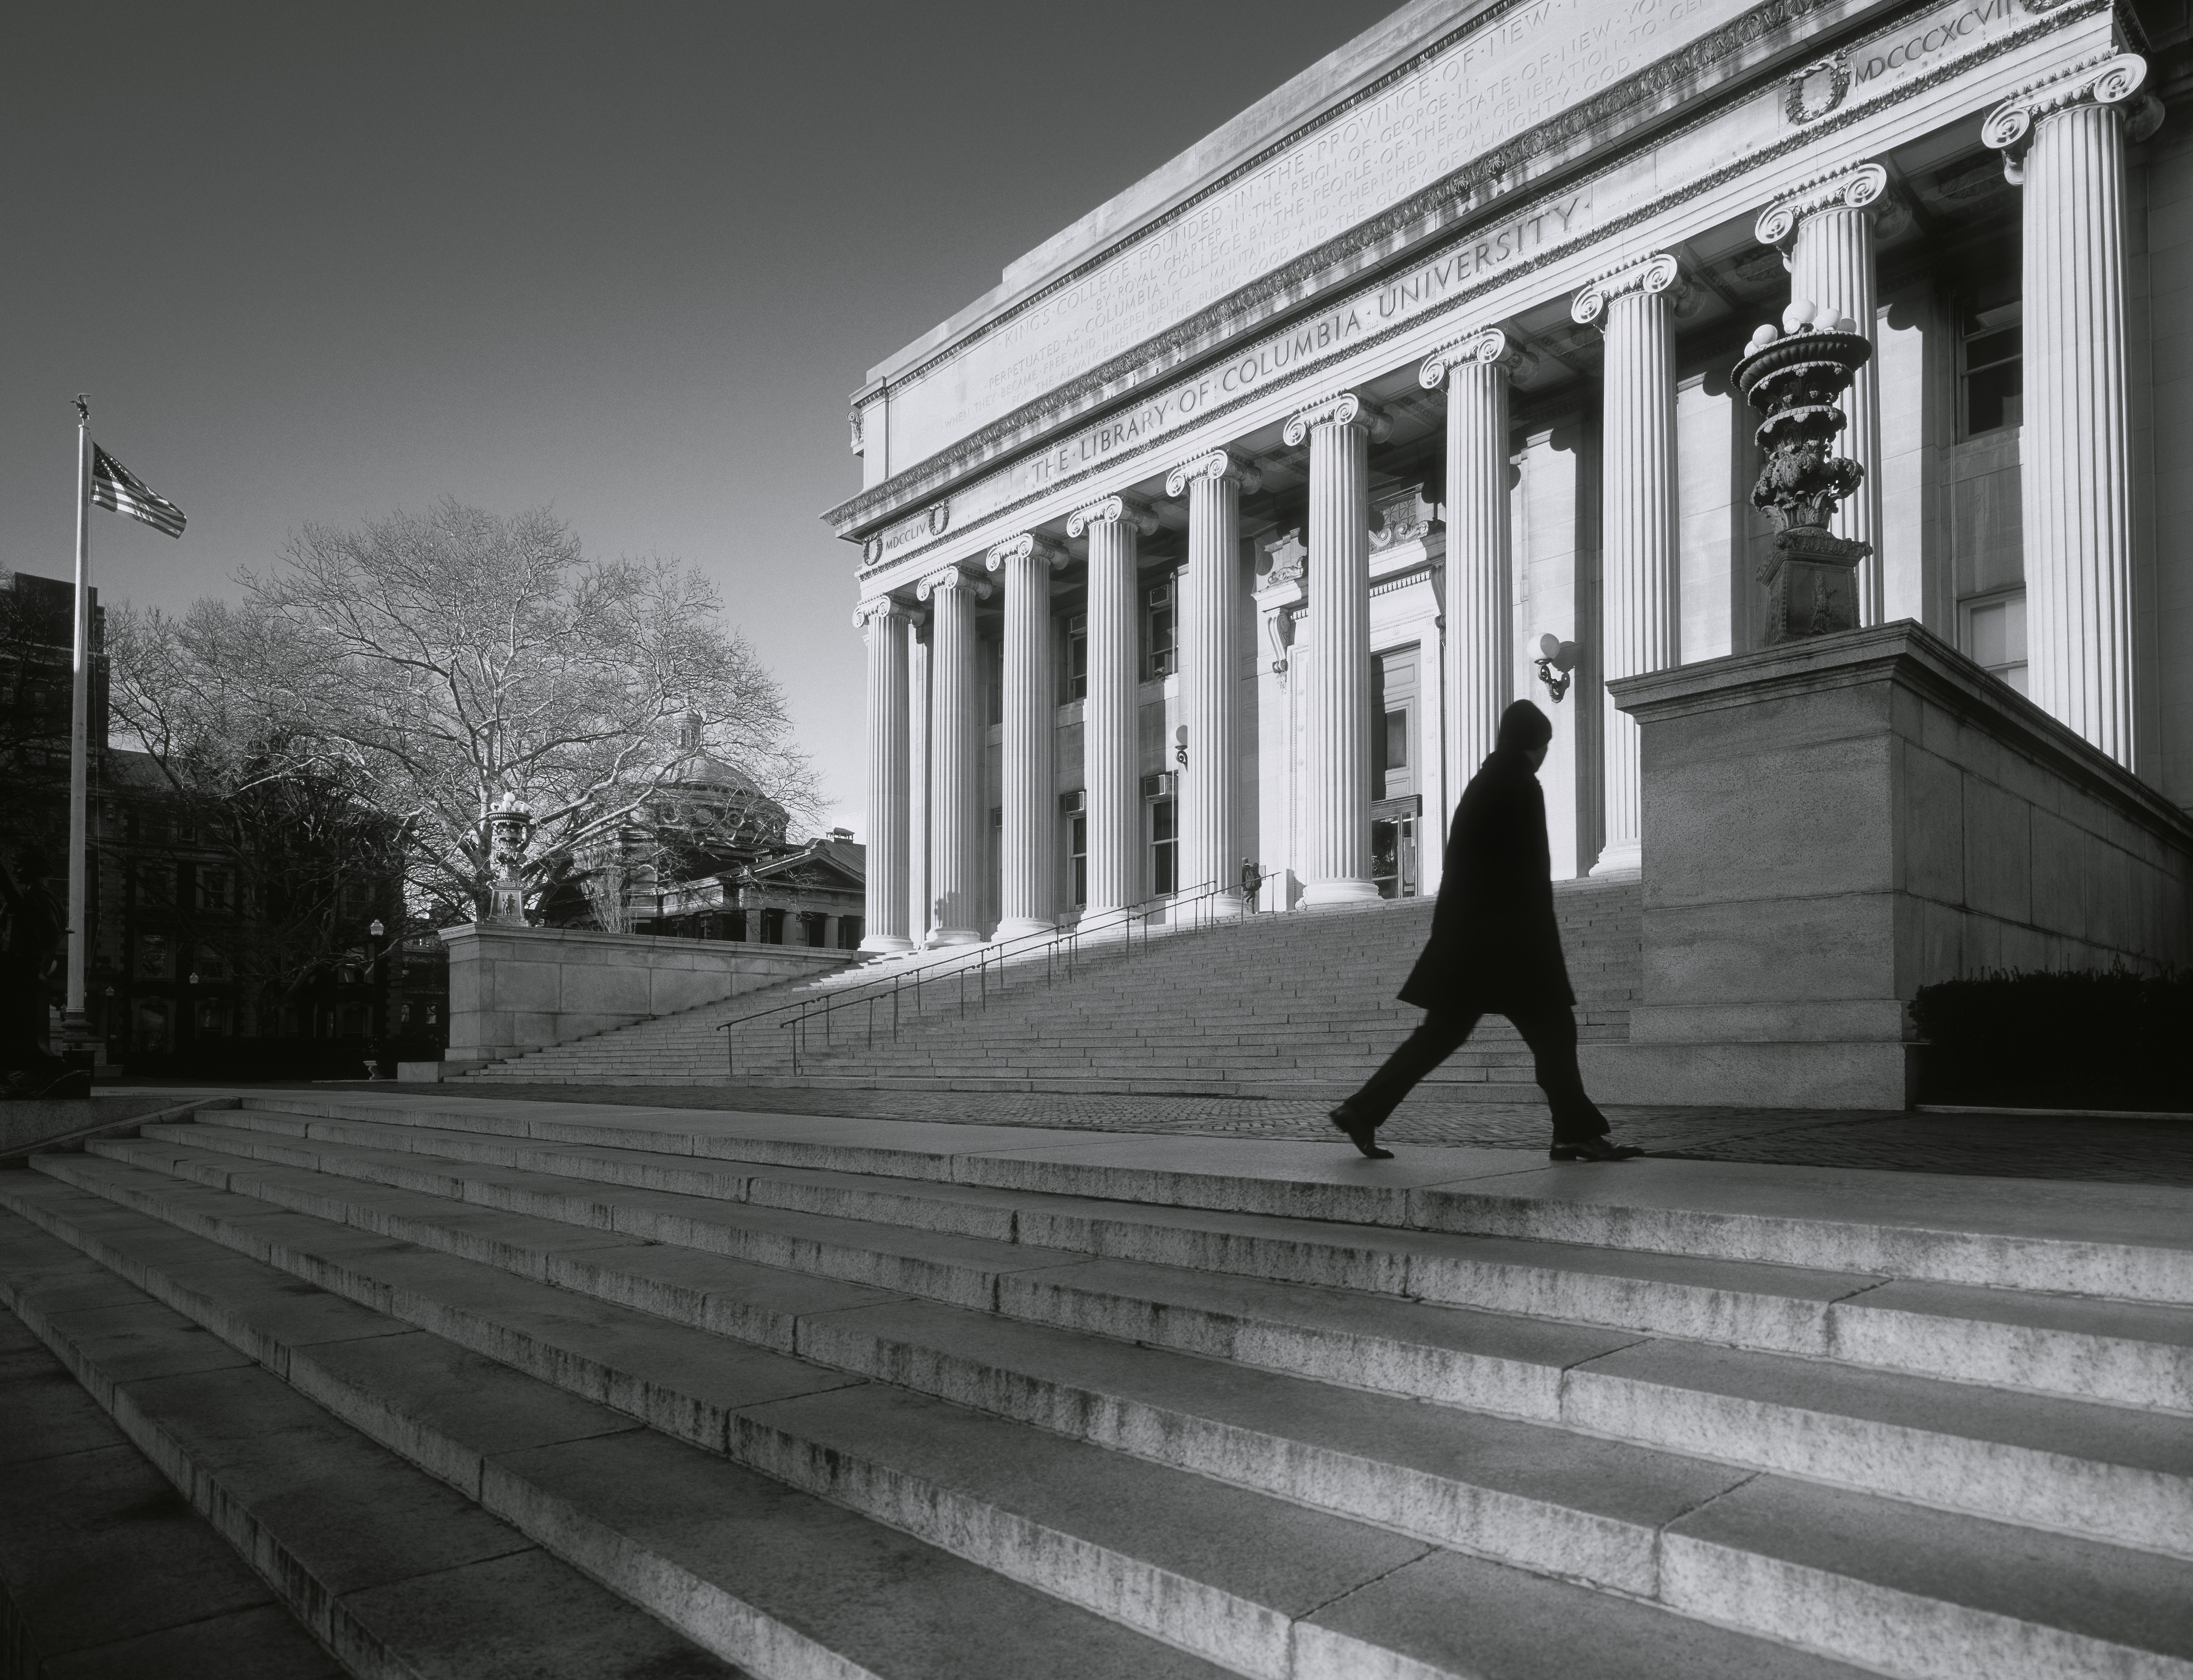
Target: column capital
[(1650, 274), (2113, 81), (1340, 408), (1027, 545), (884, 607), (1481, 347), (1217, 464), (955, 577), (1855, 186), (1132, 509)]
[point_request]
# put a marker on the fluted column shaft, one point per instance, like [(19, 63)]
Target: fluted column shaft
[(1480, 593), (1028, 895), (1212, 608), (955, 746), (1337, 865), (1637, 519), (885, 623), (1110, 743), (1831, 264), (2077, 494)]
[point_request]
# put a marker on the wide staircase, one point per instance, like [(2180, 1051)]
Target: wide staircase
[(495, 1387), (1300, 1004)]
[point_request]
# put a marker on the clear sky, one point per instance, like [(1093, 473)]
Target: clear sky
[(318, 263)]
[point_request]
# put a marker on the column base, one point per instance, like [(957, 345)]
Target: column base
[(885, 945), (1340, 892), (938, 936), (1020, 927), (1620, 858)]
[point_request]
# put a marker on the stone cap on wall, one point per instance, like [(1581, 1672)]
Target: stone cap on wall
[(1903, 652)]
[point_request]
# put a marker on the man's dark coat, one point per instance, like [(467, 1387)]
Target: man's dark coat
[(1495, 946)]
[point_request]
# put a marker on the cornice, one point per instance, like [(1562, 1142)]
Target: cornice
[(2063, 14), (1287, 284)]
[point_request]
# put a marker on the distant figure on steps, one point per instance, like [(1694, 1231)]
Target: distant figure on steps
[(1495, 949)]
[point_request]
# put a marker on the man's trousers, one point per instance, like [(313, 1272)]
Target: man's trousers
[(1551, 1033)]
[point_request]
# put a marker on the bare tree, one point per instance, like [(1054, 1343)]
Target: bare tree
[(438, 661)]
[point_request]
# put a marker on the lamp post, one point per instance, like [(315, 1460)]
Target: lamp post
[(378, 1018)]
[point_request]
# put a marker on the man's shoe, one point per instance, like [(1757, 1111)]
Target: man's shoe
[(1363, 1134), (1594, 1149)]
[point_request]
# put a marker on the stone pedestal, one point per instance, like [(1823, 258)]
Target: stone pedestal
[(1812, 585), (1834, 824)]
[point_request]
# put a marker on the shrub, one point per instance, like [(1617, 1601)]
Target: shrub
[(2084, 1040)]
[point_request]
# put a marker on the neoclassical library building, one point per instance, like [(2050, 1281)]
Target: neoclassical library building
[(1223, 528)]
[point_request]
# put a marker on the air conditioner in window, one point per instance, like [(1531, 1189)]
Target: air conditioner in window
[(1160, 785), (1069, 804)]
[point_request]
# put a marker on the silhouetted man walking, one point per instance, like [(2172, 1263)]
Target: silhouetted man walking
[(1495, 949)]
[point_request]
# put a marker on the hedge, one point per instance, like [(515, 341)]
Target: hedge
[(2081, 1040)]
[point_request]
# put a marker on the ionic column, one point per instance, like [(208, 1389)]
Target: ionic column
[(1479, 591), (885, 622), (1210, 624), (1340, 430), (955, 749), (1637, 514), (1109, 717), (2065, 141), (1824, 230), (1028, 897)]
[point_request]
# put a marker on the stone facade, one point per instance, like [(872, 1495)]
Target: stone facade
[(1287, 459)]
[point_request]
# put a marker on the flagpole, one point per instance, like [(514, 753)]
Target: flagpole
[(76, 1026)]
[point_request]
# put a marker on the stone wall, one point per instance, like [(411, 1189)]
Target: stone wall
[(1830, 825), (514, 989)]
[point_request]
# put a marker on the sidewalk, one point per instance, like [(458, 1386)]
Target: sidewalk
[(2158, 1152)]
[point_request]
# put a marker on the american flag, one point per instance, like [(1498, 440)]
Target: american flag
[(114, 485)]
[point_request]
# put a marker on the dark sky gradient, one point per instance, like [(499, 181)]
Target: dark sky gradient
[(318, 263)]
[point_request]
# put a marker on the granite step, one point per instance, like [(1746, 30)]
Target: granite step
[(2127, 1477), (388, 1567), (104, 1569), (1697, 1535), (2124, 1353), (2126, 1244), (1257, 1585)]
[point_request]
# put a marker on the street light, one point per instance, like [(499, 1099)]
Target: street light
[(380, 1002)]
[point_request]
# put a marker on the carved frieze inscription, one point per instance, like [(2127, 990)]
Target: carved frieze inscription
[(1938, 44), (1524, 67)]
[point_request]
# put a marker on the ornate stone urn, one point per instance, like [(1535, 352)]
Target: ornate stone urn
[(510, 832), (1796, 376)]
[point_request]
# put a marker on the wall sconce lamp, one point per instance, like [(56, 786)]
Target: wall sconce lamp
[(1556, 655), (1180, 745)]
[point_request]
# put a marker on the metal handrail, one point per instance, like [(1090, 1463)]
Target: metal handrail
[(1058, 948)]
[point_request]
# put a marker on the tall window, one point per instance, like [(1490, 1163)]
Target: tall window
[(1994, 636), (1073, 661), (1159, 641), (1074, 809), (772, 927), (1991, 356), (1164, 847)]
